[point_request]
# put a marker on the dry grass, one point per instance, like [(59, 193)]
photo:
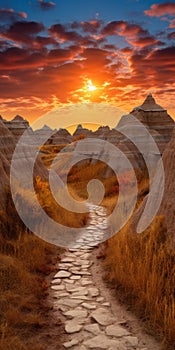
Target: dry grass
[(49, 152), (56, 211), (23, 265), (143, 266)]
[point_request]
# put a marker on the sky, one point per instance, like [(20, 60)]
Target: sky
[(63, 53)]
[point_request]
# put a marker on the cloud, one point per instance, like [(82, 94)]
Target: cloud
[(46, 5), (15, 57), (158, 10), (157, 65), (39, 65), (23, 31), (171, 35), (123, 28), (11, 15), (134, 34), (92, 26), (172, 23), (146, 41), (60, 32)]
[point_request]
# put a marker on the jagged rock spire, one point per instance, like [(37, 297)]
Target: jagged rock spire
[(150, 104)]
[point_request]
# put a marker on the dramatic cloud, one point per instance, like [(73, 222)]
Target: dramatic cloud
[(123, 28), (54, 65), (171, 36), (172, 23), (153, 65), (60, 32), (11, 15), (22, 31), (46, 5), (146, 41), (88, 27), (158, 10), (134, 34)]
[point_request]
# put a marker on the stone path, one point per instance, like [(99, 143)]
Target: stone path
[(88, 316), (97, 230)]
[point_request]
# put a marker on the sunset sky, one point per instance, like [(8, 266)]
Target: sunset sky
[(62, 52)]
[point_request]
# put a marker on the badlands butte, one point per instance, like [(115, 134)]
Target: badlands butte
[(84, 313)]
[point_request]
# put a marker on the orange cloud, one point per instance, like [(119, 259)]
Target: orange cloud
[(158, 10), (39, 70)]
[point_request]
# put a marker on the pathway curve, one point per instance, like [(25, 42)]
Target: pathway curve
[(91, 322)]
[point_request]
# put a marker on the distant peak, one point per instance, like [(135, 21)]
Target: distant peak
[(79, 126), (46, 127), (18, 118), (149, 100), (150, 105)]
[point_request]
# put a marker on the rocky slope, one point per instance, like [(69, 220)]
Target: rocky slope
[(167, 207)]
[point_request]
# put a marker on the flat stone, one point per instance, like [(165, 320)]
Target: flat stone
[(79, 272), (85, 256), (89, 306), (56, 281), (62, 295), (73, 327), (80, 262), (102, 342), (77, 246), (92, 328), (106, 304), (76, 313), (69, 281), (66, 268), (62, 308), (86, 266), (75, 270), (80, 293), (87, 247), (76, 277), (73, 250), (62, 274), (133, 341), (119, 347), (100, 299), (74, 289), (70, 302), (79, 253), (68, 255), (66, 265), (59, 287), (71, 343), (93, 292), (103, 317), (82, 297), (116, 331), (68, 260), (85, 282)]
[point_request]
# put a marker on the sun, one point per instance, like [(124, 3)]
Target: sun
[(90, 87)]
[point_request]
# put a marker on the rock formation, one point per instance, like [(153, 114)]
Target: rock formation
[(7, 145), (81, 131), (167, 207), (155, 118), (62, 136), (17, 126)]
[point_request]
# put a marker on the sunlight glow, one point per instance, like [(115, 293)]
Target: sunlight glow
[(90, 87)]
